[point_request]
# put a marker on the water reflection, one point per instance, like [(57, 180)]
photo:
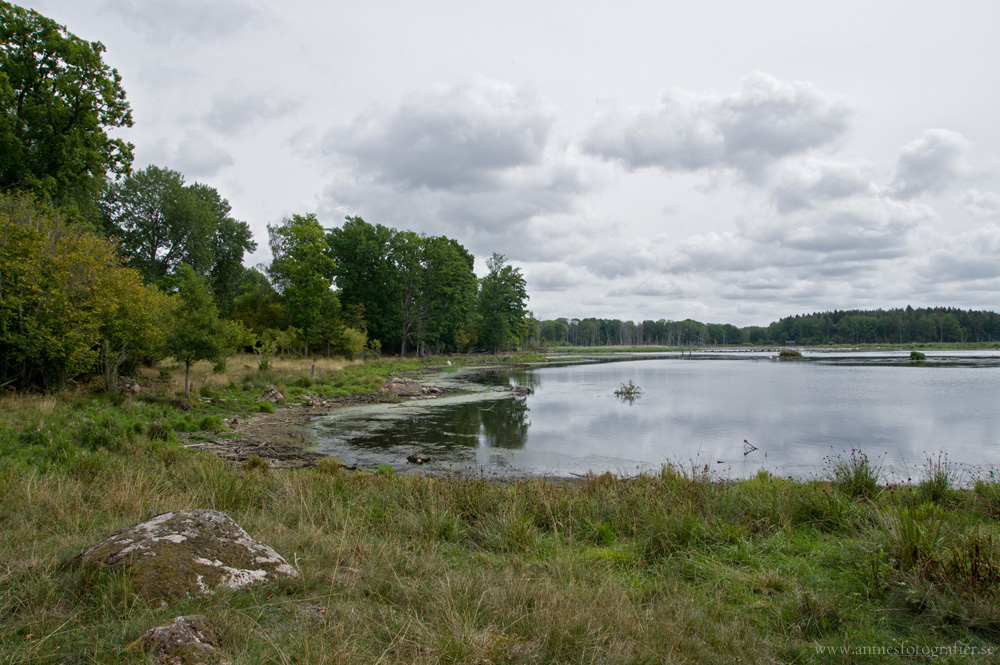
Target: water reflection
[(697, 412)]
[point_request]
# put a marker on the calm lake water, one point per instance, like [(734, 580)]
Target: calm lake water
[(695, 411)]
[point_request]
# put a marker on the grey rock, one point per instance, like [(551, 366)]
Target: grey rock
[(190, 552), (188, 640)]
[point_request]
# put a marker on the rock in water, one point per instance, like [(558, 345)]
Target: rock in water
[(189, 552), (417, 458), (189, 640)]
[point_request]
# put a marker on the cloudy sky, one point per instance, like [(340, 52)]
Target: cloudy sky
[(724, 161)]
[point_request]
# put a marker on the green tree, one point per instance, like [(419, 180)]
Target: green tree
[(198, 332), (367, 277), (449, 291), (302, 270), (162, 223), (257, 305), (503, 301), (64, 295), (407, 256), (58, 101)]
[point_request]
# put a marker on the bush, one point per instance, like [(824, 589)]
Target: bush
[(916, 356), (265, 407), (256, 463), (938, 480), (855, 476), (789, 354), (329, 466)]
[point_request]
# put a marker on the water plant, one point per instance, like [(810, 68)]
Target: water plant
[(628, 392)]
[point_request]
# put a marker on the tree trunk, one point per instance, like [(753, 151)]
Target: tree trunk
[(187, 377)]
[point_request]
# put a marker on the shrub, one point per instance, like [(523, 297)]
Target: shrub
[(938, 480), (256, 463), (329, 466), (916, 356), (790, 354), (265, 407), (855, 476)]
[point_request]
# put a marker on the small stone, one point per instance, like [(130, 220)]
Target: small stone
[(129, 387), (271, 395), (188, 640)]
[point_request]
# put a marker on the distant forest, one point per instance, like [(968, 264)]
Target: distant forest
[(893, 326)]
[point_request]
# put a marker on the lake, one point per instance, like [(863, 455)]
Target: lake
[(730, 413)]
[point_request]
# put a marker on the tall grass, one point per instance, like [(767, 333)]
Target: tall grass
[(665, 567)]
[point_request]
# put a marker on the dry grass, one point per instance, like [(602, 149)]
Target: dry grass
[(666, 568), (237, 368)]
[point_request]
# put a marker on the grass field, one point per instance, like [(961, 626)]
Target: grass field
[(669, 567)]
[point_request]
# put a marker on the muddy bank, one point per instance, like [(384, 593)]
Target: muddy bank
[(283, 437)]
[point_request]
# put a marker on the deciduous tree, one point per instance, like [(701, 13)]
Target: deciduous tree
[(503, 298), (63, 294), (161, 223), (58, 103), (302, 270)]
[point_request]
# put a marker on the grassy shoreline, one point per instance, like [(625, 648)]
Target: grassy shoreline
[(667, 567)]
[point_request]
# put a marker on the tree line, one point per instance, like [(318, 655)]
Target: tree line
[(103, 268), (893, 326)]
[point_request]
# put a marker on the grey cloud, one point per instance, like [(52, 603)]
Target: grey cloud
[(235, 108), (767, 120), (170, 20), (449, 138), (857, 229), (196, 156), (931, 163), (965, 258), (551, 277), (981, 204), (810, 182)]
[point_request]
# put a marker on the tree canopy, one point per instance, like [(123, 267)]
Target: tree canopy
[(503, 302), (58, 101), (162, 223), (64, 292), (303, 271)]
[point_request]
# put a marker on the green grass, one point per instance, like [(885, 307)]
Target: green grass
[(665, 567)]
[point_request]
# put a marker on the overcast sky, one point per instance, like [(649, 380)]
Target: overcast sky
[(724, 161)]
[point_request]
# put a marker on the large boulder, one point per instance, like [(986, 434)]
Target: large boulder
[(397, 385), (188, 640), (188, 552)]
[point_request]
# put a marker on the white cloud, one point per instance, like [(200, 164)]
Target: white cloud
[(981, 204), (932, 163), (196, 20), (973, 256), (235, 107), (195, 155), (810, 182), (448, 138), (747, 131)]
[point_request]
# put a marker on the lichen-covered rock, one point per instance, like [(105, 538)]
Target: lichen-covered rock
[(129, 387), (188, 640), (400, 386), (189, 552), (271, 395)]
